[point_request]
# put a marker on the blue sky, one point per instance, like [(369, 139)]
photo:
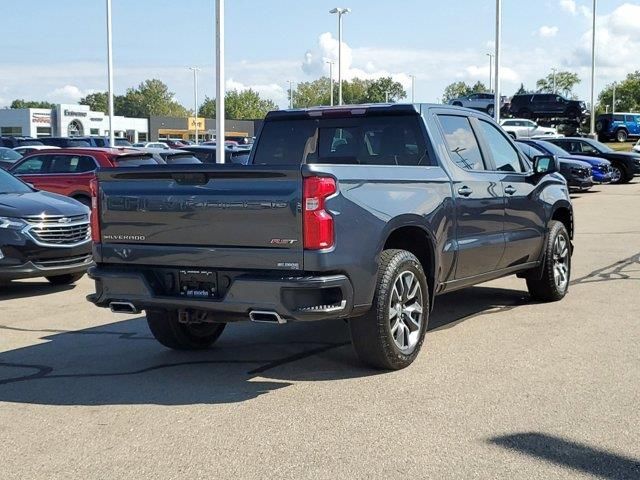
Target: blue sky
[(56, 49)]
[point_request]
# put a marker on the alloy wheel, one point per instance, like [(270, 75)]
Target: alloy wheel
[(561, 262), (616, 174), (405, 311)]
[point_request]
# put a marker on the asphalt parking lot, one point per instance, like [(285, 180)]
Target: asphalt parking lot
[(505, 388)]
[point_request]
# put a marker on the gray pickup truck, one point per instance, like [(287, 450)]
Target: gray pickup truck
[(363, 213)]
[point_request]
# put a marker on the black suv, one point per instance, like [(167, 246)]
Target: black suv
[(13, 142), (547, 105)]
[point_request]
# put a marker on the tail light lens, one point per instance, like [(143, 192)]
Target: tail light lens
[(317, 222), (95, 211)]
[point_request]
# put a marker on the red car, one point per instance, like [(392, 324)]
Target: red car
[(69, 171)]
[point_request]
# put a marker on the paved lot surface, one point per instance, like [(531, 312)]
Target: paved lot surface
[(505, 388)]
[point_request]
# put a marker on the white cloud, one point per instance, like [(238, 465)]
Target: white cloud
[(271, 91), (68, 94), (617, 44), (569, 6), (547, 32)]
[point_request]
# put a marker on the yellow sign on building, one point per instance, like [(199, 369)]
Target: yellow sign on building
[(192, 121)]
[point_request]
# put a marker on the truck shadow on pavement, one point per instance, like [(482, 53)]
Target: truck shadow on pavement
[(573, 455), (121, 363)]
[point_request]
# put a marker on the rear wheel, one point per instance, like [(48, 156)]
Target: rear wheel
[(622, 135), (619, 173), (524, 113), (67, 279), (390, 336), (170, 332), (553, 284)]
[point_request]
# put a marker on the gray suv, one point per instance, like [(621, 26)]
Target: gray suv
[(478, 101)]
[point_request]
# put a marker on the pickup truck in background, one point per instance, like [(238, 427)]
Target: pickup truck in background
[(363, 213)]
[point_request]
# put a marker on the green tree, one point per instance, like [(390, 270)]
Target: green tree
[(522, 90), (239, 105), (246, 105), (627, 95), (151, 97), (98, 102), (462, 89), (310, 94), (564, 83), (207, 108), (384, 88), (20, 103)]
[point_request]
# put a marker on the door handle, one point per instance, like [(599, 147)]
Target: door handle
[(509, 190), (465, 191)]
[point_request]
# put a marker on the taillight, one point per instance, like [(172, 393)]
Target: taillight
[(95, 211), (317, 222)]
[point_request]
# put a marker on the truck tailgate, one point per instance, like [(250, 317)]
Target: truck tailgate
[(202, 215)]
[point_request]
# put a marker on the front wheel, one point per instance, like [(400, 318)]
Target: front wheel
[(390, 336), (553, 283), (170, 332), (67, 279), (619, 173)]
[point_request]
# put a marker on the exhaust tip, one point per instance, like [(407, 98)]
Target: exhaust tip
[(265, 316), (123, 307)]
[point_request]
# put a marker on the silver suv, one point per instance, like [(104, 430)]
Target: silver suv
[(478, 101)]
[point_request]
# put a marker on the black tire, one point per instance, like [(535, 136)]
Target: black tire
[(622, 135), (86, 201), (512, 135), (524, 113), (491, 110), (67, 279), (372, 335), (166, 328), (619, 173), (543, 285)]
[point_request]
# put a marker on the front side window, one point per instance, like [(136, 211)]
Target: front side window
[(584, 147), (504, 155), (461, 142)]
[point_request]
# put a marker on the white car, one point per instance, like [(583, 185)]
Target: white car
[(151, 145), (524, 128), (24, 149), (636, 147)]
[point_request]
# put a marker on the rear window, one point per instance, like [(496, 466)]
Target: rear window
[(134, 161), (384, 140), (181, 159)]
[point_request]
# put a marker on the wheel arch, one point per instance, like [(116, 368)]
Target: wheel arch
[(564, 213), (417, 239)]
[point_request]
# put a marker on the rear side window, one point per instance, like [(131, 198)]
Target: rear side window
[(384, 140), (72, 164), (618, 118), (461, 142)]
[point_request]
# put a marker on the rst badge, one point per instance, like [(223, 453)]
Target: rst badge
[(282, 241)]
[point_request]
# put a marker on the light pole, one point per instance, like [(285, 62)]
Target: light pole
[(496, 100), (413, 88), (340, 12), (330, 81), (613, 103), (592, 130), (290, 94), (195, 96), (110, 75), (553, 70), (220, 150), (490, 55)]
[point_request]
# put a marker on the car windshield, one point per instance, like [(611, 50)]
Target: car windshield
[(8, 155), (554, 149), (10, 184)]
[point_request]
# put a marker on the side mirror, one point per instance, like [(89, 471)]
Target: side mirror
[(545, 164)]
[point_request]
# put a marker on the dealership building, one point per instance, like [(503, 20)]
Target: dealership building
[(69, 121)]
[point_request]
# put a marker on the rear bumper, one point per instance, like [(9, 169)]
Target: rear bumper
[(297, 298)]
